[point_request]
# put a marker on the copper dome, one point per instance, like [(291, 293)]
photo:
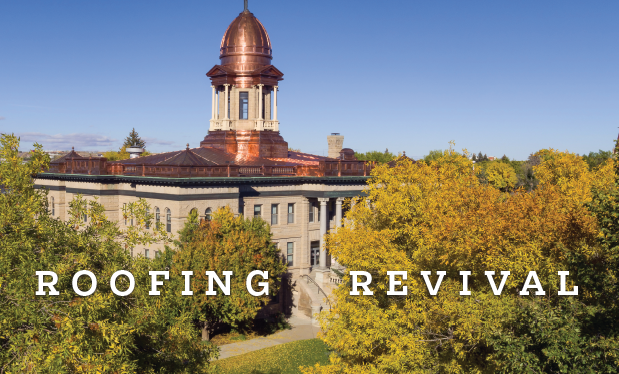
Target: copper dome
[(246, 46)]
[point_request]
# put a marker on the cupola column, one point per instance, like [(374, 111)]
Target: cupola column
[(226, 102), (275, 103), (260, 114), (213, 104)]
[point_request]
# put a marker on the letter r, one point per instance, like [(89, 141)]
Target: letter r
[(50, 285)]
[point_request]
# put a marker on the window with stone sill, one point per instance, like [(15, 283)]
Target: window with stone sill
[(312, 206), (257, 210), (274, 213), (290, 213), (290, 254)]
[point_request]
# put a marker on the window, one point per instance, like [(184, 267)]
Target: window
[(157, 254), (312, 207), (208, 214), (157, 218), (168, 220), (290, 213), (290, 254), (85, 216), (146, 253), (274, 209), (243, 105), (53, 207), (257, 210)]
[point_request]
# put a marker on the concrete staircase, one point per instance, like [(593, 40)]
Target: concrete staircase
[(315, 296)]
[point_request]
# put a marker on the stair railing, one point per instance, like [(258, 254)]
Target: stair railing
[(309, 279)]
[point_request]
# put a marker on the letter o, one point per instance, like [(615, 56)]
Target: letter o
[(92, 289), (131, 283)]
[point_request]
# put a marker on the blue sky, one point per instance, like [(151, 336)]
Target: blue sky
[(501, 77)]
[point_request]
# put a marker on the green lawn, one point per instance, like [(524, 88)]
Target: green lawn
[(281, 359)]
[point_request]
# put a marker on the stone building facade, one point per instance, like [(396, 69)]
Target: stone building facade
[(243, 162)]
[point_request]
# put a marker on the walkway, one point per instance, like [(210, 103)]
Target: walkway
[(302, 329)]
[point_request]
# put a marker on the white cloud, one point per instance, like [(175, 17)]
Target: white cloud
[(66, 141), (155, 141)]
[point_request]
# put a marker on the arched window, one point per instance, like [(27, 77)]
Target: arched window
[(53, 207), (208, 214), (157, 218), (168, 220)]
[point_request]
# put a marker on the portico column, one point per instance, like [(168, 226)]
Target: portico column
[(226, 101), (323, 231), (213, 103), (260, 114), (275, 103), (338, 211)]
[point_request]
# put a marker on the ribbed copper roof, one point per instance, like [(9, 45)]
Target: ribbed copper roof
[(246, 45)]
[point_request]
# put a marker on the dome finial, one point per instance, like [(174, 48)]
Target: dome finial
[(246, 8)]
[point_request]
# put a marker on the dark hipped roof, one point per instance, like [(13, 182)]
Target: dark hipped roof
[(213, 157)]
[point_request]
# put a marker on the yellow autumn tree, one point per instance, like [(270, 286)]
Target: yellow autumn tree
[(501, 175), (439, 217)]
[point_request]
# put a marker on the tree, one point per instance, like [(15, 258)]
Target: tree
[(433, 155), (501, 175), (439, 217), (70, 333), (122, 154), (505, 158), (595, 159), (227, 243), (474, 157), (376, 156), (134, 140)]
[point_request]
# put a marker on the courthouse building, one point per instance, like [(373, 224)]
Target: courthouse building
[(243, 162)]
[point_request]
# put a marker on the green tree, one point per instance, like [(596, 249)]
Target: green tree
[(433, 155), (226, 243), (66, 333), (376, 156), (134, 140), (595, 159)]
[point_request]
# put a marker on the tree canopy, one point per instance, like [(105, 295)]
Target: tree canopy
[(438, 216), (134, 140), (376, 156), (226, 243), (66, 333)]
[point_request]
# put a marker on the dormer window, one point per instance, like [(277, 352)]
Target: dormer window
[(243, 105)]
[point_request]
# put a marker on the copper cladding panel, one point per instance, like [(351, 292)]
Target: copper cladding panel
[(246, 45)]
